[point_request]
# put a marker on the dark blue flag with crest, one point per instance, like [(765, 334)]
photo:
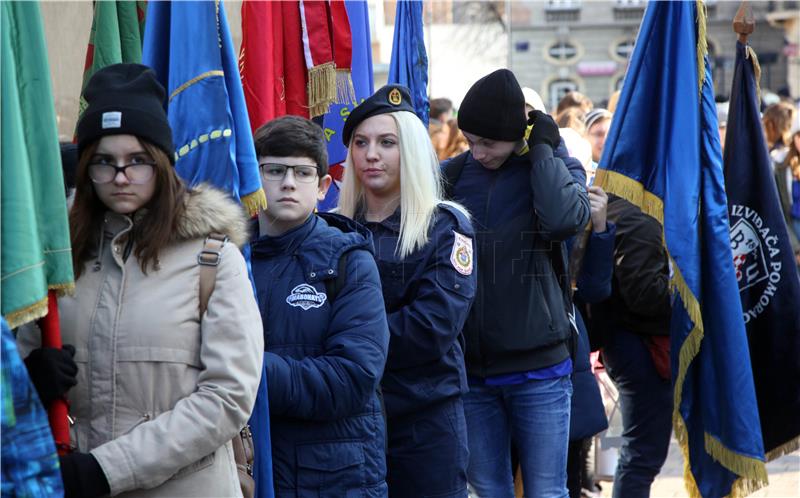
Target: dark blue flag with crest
[(663, 155), (765, 268)]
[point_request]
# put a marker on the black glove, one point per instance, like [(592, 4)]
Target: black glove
[(52, 372), (545, 130), (83, 477)]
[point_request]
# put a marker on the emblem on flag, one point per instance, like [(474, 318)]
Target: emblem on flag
[(754, 248)]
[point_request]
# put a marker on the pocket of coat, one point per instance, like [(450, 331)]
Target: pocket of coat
[(333, 465), (199, 465)]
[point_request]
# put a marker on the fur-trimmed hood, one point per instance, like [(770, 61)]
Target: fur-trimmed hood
[(209, 210)]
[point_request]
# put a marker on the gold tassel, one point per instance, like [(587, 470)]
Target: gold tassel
[(749, 53), (321, 88), (255, 201), (702, 44), (788, 447), (345, 91)]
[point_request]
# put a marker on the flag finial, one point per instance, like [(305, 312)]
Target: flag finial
[(744, 23)]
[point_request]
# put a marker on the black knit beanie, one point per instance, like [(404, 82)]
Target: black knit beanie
[(125, 99), (494, 108)]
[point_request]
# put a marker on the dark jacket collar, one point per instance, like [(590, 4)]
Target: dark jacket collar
[(318, 244)]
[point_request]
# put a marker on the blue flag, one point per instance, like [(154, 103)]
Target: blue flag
[(765, 268), (361, 73), (409, 64), (663, 154), (189, 46)]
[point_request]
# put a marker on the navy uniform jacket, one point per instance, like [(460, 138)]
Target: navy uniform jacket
[(324, 360), (428, 296)]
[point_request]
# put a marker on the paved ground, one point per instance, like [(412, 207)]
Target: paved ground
[(784, 478)]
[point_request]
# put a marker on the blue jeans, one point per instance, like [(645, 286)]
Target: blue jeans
[(646, 408), (536, 416)]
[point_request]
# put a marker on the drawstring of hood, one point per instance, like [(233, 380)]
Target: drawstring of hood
[(98, 263)]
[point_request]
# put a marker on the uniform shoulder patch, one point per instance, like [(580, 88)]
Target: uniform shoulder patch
[(461, 256)]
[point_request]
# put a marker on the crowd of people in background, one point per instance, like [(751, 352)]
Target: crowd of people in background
[(432, 337)]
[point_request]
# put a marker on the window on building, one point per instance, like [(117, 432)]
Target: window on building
[(628, 9), (559, 88), (562, 10), (562, 51), (624, 49)]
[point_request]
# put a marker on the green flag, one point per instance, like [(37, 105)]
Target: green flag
[(35, 250), (116, 36)]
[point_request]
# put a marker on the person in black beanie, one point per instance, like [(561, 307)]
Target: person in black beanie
[(526, 197), (161, 385)]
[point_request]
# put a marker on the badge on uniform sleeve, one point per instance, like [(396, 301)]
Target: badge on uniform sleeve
[(461, 257)]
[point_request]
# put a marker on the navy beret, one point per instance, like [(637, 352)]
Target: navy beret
[(390, 98)]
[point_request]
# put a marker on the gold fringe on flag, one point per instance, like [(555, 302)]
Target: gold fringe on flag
[(39, 308), (321, 88), (345, 92), (27, 314), (255, 201)]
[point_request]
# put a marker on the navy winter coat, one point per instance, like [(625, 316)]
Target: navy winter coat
[(428, 296), (324, 359)]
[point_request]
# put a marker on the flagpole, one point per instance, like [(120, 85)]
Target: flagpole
[(743, 22)]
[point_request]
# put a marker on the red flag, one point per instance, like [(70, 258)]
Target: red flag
[(295, 75), (271, 61)]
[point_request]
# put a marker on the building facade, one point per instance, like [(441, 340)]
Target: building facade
[(559, 46)]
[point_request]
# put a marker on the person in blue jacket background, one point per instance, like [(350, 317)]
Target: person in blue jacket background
[(424, 248), (325, 329)]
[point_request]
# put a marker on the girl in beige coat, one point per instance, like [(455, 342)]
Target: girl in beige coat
[(161, 390)]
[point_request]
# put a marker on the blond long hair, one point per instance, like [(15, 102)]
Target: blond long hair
[(420, 184)]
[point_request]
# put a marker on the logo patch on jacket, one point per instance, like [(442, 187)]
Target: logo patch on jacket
[(461, 256), (305, 296)]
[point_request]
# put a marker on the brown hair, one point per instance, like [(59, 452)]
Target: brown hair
[(289, 136), (151, 232), (572, 117), (793, 157), (777, 123), (456, 141), (574, 99)]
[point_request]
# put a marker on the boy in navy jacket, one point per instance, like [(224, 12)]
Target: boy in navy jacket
[(325, 330)]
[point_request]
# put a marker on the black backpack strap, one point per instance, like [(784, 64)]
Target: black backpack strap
[(451, 173), (334, 285)]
